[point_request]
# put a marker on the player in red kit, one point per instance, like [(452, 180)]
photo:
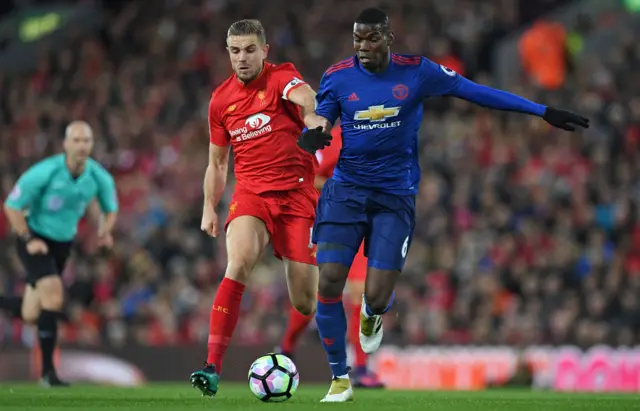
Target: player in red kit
[(327, 159), (259, 111)]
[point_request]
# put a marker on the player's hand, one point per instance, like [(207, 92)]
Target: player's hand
[(565, 120), (105, 241), (314, 139), (37, 246), (209, 222)]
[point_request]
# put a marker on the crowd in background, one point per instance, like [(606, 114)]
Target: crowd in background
[(525, 235)]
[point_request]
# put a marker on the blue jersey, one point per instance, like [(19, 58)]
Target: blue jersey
[(381, 114)]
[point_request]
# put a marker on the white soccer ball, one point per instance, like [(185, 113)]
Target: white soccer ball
[(273, 378)]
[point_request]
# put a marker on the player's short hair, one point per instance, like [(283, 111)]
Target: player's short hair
[(374, 16), (247, 27)]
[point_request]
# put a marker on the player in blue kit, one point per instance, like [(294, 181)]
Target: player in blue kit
[(379, 97), (44, 209)]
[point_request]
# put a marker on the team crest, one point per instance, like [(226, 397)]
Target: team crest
[(15, 193), (231, 108), (233, 207), (400, 91)]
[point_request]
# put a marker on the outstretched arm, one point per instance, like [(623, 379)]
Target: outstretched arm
[(495, 99), (502, 100), (438, 80)]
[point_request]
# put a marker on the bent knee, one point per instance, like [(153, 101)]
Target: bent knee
[(305, 306), (238, 272), (333, 273), (52, 302), (30, 315), (50, 292), (332, 280)]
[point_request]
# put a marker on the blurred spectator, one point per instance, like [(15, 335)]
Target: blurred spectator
[(543, 51)]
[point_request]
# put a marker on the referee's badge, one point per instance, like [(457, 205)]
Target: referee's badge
[(54, 203), (15, 193)]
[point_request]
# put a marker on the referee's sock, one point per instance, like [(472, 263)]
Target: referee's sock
[(48, 336), (13, 305)]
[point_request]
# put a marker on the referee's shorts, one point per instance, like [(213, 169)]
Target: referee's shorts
[(43, 265)]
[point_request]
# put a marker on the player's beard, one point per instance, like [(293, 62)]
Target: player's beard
[(249, 75)]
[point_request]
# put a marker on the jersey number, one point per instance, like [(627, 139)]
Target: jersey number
[(405, 247)]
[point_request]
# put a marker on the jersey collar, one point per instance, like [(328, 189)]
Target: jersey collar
[(357, 61), (68, 171)]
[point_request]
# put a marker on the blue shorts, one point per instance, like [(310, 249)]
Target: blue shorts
[(347, 214)]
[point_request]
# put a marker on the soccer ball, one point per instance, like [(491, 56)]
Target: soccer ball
[(273, 378)]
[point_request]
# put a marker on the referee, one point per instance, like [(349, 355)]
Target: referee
[(44, 209)]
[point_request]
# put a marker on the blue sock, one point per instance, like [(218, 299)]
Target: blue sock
[(332, 327), (370, 312)]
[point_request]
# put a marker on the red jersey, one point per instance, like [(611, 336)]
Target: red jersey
[(328, 156), (263, 127)]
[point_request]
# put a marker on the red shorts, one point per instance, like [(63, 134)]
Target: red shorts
[(288, 215), (358, 271)]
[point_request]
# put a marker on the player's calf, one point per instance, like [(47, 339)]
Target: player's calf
[(331, 319), (302, 283), (377, 300), (246, 238), (379, 288)]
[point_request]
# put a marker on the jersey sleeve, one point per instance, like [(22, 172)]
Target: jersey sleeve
[(29, 186), (327, 104), (218, 135), (287, 79), (437, 80), (107, 193)]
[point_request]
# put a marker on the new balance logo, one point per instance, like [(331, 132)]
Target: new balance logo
[(353, 97)]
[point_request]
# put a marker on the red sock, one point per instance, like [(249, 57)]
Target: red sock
[(295, 327), (224, 317), (353, 330)]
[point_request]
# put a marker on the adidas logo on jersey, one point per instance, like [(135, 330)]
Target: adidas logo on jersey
[(353, 97)]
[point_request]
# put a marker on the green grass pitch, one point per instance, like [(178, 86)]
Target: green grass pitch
[(175, 397)]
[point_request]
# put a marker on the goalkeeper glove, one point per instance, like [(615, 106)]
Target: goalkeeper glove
[(565, 120), (314, 139)]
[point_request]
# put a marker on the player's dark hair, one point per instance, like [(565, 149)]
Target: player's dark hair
[(247, 27), (373, 16)]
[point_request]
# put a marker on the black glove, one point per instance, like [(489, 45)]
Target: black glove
[(565, 120), (313, 140)]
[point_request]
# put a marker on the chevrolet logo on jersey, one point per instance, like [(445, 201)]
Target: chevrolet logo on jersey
[(377, 113)]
